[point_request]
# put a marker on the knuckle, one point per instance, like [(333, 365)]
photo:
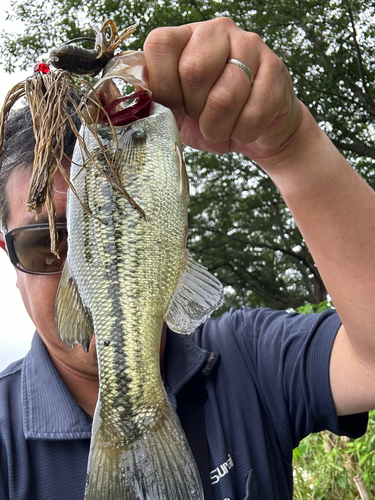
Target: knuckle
[(253, 129), (222, 102), (160, 39), (254, 116), (254, 38), (224, 23), (192, 72), (256, 44), (279, 67)]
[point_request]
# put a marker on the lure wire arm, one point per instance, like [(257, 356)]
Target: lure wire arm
[(79, 39)]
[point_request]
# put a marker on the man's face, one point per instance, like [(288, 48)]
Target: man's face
[(39, 291)]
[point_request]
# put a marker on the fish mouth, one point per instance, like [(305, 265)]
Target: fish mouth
[(137, 106)]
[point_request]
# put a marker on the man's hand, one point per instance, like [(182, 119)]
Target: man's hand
[(216, 106)]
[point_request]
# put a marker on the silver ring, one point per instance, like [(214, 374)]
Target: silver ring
[(243, 66)]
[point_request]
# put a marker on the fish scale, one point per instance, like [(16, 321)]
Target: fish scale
[(127, 273)]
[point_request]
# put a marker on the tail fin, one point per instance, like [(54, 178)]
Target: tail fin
[(156, 466)]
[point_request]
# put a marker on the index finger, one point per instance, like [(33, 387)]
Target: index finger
[(163, 48)]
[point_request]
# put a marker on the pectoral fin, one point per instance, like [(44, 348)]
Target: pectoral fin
[(197, 295), (73, 319)]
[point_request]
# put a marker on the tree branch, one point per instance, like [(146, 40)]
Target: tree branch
[(254, 284), (357, 146), (300, 267), (358, 92), (361, 68), (259, 244), (360, 149)]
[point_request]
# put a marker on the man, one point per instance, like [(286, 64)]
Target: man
[(279, 376)]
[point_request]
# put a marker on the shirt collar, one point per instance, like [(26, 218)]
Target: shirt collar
[(49, 410), (51, 413)]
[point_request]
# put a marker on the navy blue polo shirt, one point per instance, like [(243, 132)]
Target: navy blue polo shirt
[(268, 389)]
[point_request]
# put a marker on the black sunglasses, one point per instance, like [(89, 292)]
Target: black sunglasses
[(29, 248)]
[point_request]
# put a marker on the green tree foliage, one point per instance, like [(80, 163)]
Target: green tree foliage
[(240, 227), (242, 230), (327, 466)]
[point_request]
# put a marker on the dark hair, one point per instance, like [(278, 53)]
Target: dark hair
[(19, 150)]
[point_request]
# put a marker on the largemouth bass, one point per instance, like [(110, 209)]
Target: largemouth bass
[(124, 276)]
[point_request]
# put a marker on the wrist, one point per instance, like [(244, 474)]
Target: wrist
[(300, 158)]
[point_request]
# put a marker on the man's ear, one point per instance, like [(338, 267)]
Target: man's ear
[(2, 242)]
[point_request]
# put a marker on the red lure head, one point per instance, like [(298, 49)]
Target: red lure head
[(41, 68)]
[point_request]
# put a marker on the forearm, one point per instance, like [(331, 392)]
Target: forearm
[(335, 211)]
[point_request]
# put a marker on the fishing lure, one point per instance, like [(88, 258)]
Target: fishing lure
[(89, 62), (48, 94)]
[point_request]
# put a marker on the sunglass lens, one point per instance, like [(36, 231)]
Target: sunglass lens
[(33, 250)]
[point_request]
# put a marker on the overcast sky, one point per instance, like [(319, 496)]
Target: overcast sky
[(16, 329)]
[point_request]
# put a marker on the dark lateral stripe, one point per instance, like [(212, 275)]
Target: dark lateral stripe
[(115, 250), (87, 173)]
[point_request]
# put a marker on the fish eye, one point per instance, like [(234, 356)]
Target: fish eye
[(139, 136)]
